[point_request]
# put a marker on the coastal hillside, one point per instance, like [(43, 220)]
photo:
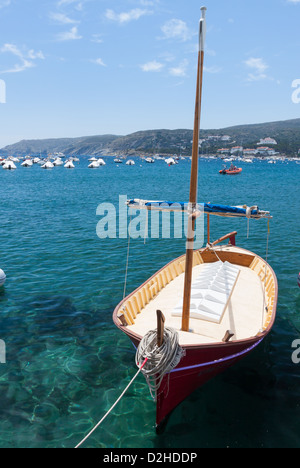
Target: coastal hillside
[(286, 133), (79, 146)]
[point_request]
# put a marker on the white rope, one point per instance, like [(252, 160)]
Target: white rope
[(160, 360), (248, 216), (110, 410), (211, 248)]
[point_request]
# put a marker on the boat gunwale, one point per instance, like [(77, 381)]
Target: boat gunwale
[(260, 335)]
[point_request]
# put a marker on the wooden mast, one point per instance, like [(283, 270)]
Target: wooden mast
[(194, 180)]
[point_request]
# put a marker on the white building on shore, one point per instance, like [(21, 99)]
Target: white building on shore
[(237, 149), (266, 151), (249, 152), (267, 141), (224, 151)]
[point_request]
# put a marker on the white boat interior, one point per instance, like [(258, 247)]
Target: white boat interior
[(236, 296)]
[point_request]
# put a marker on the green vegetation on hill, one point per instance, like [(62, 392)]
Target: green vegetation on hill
[(286, 133)]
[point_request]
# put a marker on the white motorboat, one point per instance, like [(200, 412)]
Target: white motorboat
[(48, 165), (27, 163), (170, 161), (9, 165), (69, 165), (94, 165), (130, 162)]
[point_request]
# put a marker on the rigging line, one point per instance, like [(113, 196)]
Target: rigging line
[(265, 307), (127, 260), (146, 227)]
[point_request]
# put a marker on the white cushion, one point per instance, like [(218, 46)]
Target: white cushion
[(211, 291)]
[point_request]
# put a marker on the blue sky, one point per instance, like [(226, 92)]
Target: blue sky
[(87, 67)]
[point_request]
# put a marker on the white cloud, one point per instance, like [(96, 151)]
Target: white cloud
[(78, 4), (26, 58), (97, 39), (99, 61), (62, 18), (149, 2), (180, 70), (258, 67), (176, 29), (4, 3), (126, 17), (152, 66), (213, 69), (35, 55), (69, 35)]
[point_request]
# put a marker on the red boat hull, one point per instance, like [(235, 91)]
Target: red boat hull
[(184, 380), (190, 375)]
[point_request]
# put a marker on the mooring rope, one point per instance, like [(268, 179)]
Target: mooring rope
[(156, 363), (160, 360), (110, 410)]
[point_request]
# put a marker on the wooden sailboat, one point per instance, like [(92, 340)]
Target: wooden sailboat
[(220, 300)]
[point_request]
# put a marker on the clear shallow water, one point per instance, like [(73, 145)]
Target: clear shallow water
[(67, 363)]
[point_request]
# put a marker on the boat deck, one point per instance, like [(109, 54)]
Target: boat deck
[(243, 315)]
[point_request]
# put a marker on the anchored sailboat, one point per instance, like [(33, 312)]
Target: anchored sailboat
[(208, 308)]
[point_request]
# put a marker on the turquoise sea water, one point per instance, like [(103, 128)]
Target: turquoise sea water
[(66, 361)]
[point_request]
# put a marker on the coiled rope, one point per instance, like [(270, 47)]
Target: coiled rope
[(160, 360)]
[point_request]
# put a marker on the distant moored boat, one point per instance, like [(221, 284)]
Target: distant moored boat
[(94, 165), (48, 165), (9, 165), (27, 163), (69, 165), (2, 277)]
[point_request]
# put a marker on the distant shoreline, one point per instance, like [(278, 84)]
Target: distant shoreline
[(286, 135)]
